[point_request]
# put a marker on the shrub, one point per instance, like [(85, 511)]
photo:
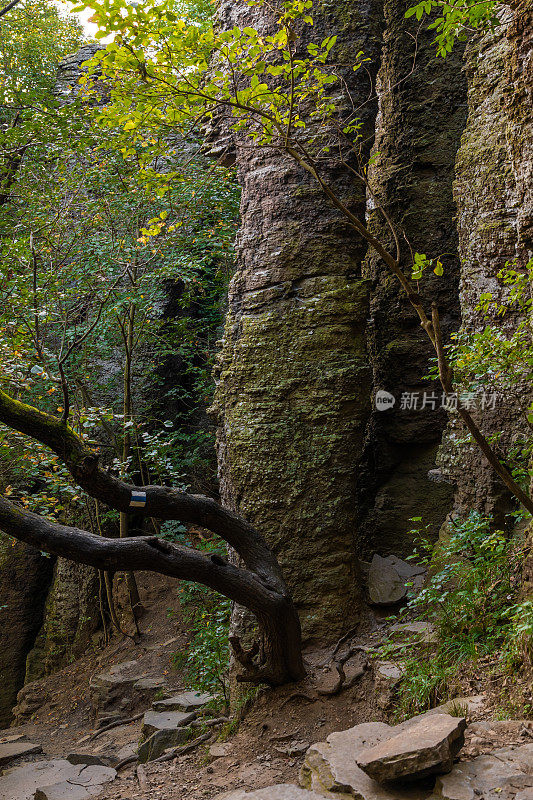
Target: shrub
[(470, 599)]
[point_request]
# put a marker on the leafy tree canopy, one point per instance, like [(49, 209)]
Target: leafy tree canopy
[(455, 19), (34, 37)]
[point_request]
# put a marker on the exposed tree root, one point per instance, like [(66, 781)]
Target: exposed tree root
[(298, 695), (141, 777), (125, 761), (115, 724), (253, 672), (339, 664), (210, 723), (180, 751)]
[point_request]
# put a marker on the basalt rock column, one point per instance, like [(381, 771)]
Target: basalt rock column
[(293, 379), (494, 195), (422, 112), (24, 579)]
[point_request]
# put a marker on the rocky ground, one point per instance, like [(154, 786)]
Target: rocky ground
[(77, 733)]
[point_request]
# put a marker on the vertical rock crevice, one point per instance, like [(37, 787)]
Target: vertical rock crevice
[(422, 111)]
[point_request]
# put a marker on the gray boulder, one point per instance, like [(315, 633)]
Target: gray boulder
[(161, 740), (424, 747), (385, 586), (145, 689), (30, 700), (114, 689), (122, 689), (161, 730), (330, 767), (388, 578)]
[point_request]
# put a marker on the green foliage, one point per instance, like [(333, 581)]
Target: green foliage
[(422, 262), (455, 19), (205, 662), (89, 251), (499, 352), (500, 357), (519, 644), (470, 599), (34, 37), (166, 71)]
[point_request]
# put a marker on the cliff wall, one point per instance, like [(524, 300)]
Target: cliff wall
[(25, 576), (302, 454)]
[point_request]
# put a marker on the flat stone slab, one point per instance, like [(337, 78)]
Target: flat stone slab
[(506, 774), (11, 750), (388, 671), (89, 783), (330, 767), (424, 747), (283, 791), (185, 701), (419, 631), (23, 783), (11, 737), (165, 720)]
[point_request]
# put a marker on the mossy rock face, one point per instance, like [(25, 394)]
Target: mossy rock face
[(294, 378), (494, 196), (295, 400), (24, 579), (71, 617)]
